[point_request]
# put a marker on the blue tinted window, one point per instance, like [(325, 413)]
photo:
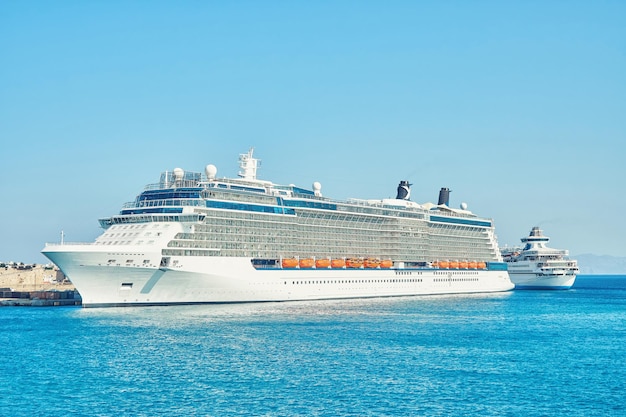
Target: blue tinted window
[(460, 221), (229, 205), (170, 194), (152, 210), (310, 204)]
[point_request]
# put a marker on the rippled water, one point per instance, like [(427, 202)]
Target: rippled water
[(526, 353)]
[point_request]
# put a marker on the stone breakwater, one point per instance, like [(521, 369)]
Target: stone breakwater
[(40, 298)]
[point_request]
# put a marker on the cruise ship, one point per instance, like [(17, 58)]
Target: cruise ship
[(536, 266), (195, 238)]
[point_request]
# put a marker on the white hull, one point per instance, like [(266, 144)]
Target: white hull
[(533, 281), (195, 280)]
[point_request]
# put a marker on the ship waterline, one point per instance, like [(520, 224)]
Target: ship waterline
[(559, 280), (198, 239)]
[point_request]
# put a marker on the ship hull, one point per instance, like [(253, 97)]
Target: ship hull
[(202, 280), (533, 281)]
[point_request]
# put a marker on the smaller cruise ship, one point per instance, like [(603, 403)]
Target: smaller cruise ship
[(535, 266)]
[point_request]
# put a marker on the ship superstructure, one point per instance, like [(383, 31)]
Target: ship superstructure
[(536, 266), (196, 238)]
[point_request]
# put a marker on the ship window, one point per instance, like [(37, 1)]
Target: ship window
[(127, 285)]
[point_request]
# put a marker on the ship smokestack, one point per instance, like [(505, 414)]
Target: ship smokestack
[(404, 191), (444, 196)]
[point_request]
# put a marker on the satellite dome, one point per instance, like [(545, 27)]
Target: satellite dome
[(463, 206), (317, 187), (210, 171), (178, 174)]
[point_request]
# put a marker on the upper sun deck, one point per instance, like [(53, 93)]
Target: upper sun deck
[(180, 188)]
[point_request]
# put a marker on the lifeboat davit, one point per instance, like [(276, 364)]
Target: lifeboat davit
[(386, 263), (289, 262), (307, 263), (354, 263), (371, 263), (322, 263)]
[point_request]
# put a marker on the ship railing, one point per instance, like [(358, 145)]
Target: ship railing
[(387, 206), (153, 187), (163, 203), (377, 203), (69, 243), (198, 180), (173, 184)]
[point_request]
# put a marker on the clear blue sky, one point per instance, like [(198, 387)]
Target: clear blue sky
[(518, 107)]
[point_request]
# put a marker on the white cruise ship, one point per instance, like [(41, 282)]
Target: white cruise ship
[(536, 266), (196, 238)]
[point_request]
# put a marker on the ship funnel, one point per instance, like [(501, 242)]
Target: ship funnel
[(404, 191), (444, 196)]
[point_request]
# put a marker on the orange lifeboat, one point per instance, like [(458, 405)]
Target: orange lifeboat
[(454, 265), (471, 264), (481, 265), (307, 263), (322, 263), (289, 262), (337, 263), (371, 263), (386, 263), (463, 265), (443, 264), (353, 263)]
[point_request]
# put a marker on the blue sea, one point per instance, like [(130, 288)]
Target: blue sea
[(520, 353)]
